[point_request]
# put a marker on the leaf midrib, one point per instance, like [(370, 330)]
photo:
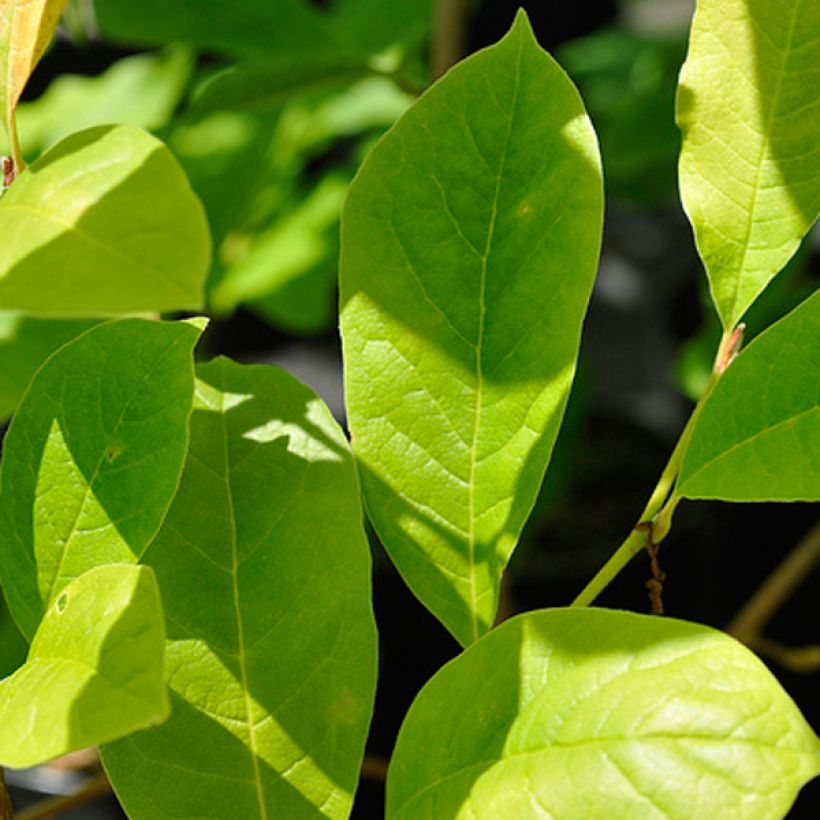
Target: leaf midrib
[(479, 374), (240, 628)]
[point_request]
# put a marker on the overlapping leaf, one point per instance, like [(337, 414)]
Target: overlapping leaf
[(595, 713), (94, 670), (264, 570), (758, 435), (93, 457), (750, 165), (105, 222), (469, 243), (25, 343)]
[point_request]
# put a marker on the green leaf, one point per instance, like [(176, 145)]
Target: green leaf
[(105, 222), (271, 83), (94, 671), (142, 90), (25, 343), (253, 28), (582, 713), (13, 646), (758, 435), (265, 572), (469, 243), (93, 457), (750, 114)]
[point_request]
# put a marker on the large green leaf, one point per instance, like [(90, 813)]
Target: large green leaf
[(105, 222), (469, 243), (578, 714), (750, 165), (93, 457), (265, 572), (94, 671), (248, 28), (264, 28), (758, 435), (25, 343)]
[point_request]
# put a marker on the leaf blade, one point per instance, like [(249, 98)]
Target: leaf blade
[(94, 671), (758, 435), (749, 170), (450, 246), (66, 253), (268, 519), (609, 699), (104, 420)]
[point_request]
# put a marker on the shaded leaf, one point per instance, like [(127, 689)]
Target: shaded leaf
[(265, 572), (93, 457), (758, 435), (25, 343), (594, 713), (26, 27), (469, 243), (67, 251), (94, 671), (750, 163)]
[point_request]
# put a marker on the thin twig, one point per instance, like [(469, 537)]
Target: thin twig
[(750, 623), (374, 768), (6, 812), (449, 35), (93, 789)]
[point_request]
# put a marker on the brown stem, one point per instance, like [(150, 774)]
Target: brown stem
[(6, 812), (449, 35), (776, 589), (374, 768), (93, 789)]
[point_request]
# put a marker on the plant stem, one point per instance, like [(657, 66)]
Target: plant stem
[(657, 513), (14, 141), (93, 789), (750, 623), (448, 35), (6, 812)]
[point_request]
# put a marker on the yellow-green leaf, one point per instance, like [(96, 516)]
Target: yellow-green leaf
[(26, 27), (749, 108)]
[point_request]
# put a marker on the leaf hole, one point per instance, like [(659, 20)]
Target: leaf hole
[(113, 451), (62, 602)]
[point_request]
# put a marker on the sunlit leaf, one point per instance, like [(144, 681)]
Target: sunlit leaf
[(601, 714), (94, 671), (470, 239), (67, 250), (758, 436), (750, 165), (265, 574), (93, 457), (26, 27)]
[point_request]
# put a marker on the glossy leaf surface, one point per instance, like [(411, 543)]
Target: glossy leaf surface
[(265, 574), (750, 165), (94, 670), (758, 436), (93, 457), (598, 713), (26, 27), (105, 222), (469, 243)]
